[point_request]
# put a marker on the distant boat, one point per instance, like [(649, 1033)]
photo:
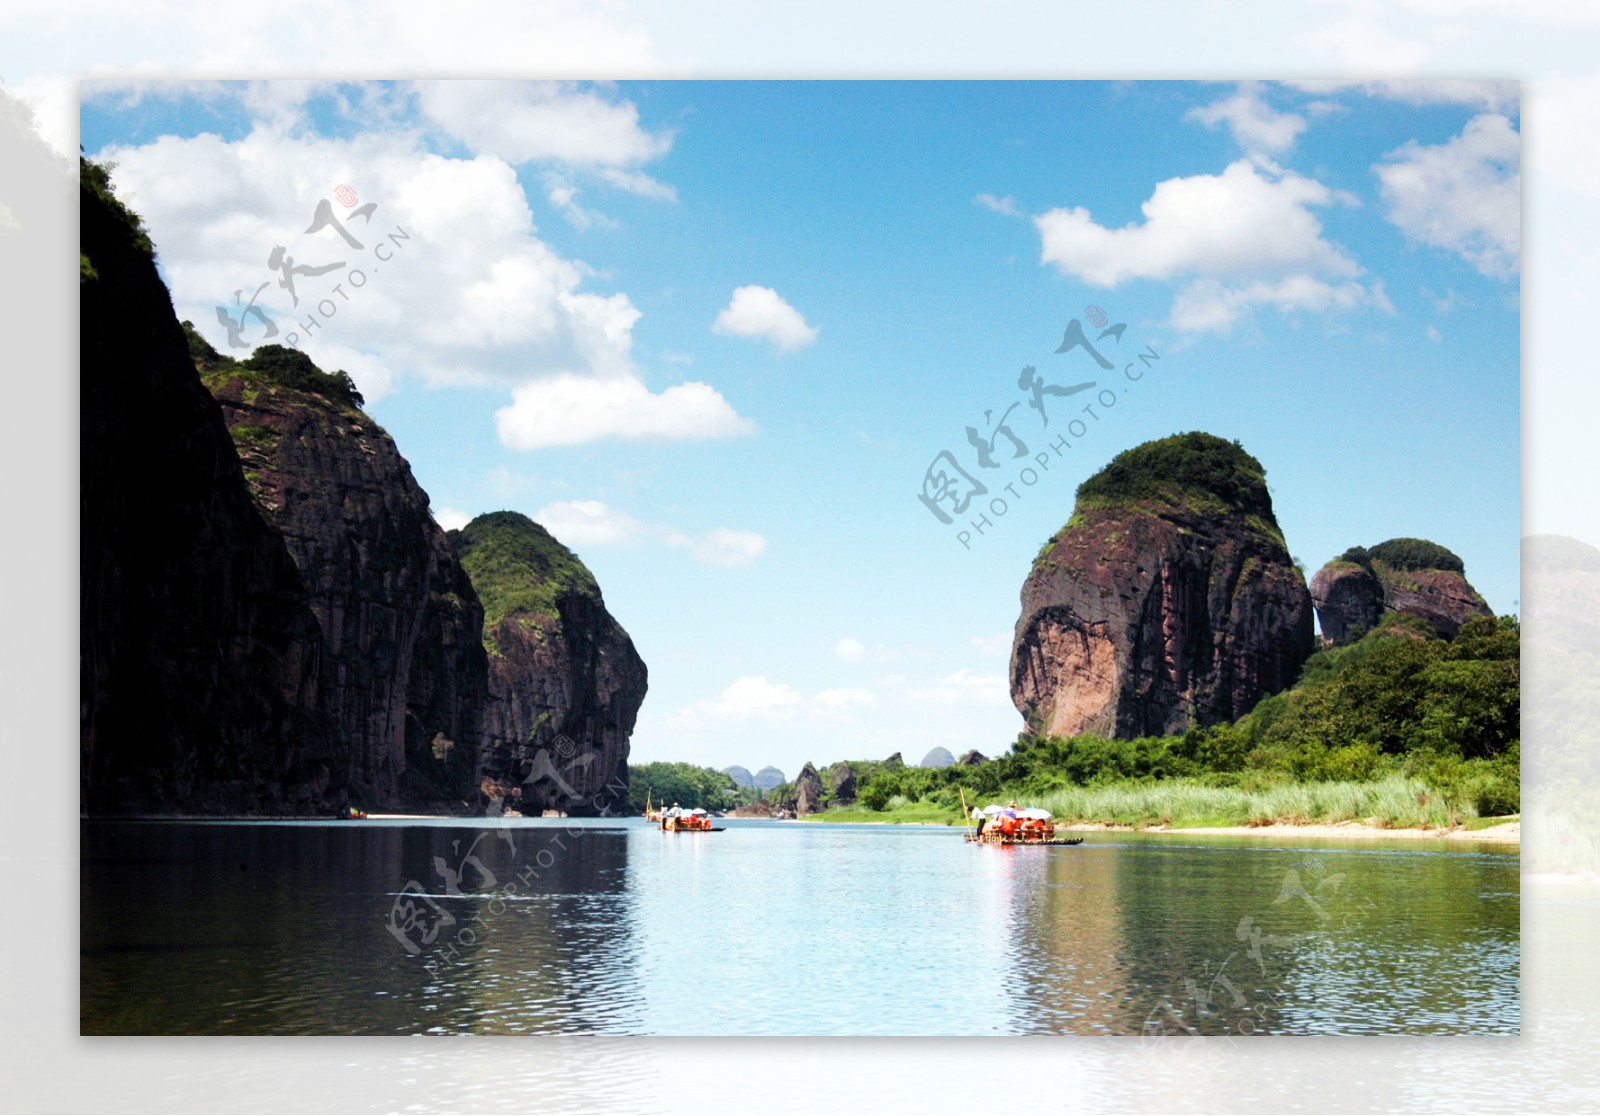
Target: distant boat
[(679, 820), (649, 813), (351, 813)]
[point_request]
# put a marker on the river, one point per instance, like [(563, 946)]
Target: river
[(590, 926)]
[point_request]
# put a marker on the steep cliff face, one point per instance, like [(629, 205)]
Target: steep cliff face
[(1167, 601), (1348, 599), (565, 681), (201, 665), (1413, 577), (406, 670), (807, 791)]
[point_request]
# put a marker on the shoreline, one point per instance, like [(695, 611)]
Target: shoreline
[(1506, 833)]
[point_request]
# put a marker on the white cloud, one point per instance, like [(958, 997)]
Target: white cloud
[(854, 651), (997, 644), (1256, 126), (1241, 239), (636, 182), (564, 196), (585, 523), (541, 121), (571, 410), (1433, 334), (964, 687), (751, 698), (450, 519), (723, 547), (470, 294), (1494, 96), (1006, 205), (754, 698), (760, 313), (592, 523), (1207, 305), (1463, 195)]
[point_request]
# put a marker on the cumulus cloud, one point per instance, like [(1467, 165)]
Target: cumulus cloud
[(571, 410), (1238, 240), (541, 121), (964, 687), (1255, 125), (754, 698), (850, 650), (1494, 96), (591, 523), (1463, 195), (434, 270), (450, 519), (761, 314)]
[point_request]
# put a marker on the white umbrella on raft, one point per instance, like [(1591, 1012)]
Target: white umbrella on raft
[(996, 808), (1034, 814)]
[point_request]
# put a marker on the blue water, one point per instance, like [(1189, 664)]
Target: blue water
[(612, 927)]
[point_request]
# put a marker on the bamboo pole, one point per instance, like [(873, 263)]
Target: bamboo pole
[(966, 816)]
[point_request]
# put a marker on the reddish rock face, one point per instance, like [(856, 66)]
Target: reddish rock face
[(1351, 596), (1348, 599), (565, 682), (568, 684), (1441, 597), (807, 791), (1170, 608), (1138, 623)]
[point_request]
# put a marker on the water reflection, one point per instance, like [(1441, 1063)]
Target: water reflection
[(617, 928)]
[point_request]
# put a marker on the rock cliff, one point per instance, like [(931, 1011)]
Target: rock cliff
[(842, 784), (406, 670), (1169, 599), (202, 671), (1412, 577), (807, 791), (565, 682), (271, 621)]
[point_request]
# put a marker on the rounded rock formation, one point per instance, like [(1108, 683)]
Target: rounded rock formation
[(1168, 601)]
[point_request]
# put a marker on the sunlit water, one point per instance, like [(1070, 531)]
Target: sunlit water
[(612, 927)]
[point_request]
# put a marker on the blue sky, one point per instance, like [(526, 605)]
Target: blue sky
[(713, 334)]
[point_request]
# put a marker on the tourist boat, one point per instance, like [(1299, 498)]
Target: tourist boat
[(679, 820), (351, 813), (1008, 825), (650, 813)]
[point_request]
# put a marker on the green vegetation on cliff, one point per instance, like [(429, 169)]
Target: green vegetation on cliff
[(1194, 469), (1409, 729), (95, 179), (273, 364), (516, 566), (1405, 554)]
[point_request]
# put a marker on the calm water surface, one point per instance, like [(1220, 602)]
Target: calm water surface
[(612, 927)]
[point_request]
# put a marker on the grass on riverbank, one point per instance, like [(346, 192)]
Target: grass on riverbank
[(1394, 802)]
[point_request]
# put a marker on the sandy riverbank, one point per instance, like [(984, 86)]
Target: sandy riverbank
[(1507, 833)]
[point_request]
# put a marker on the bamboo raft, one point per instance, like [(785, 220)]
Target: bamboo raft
[(1001, 839)]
